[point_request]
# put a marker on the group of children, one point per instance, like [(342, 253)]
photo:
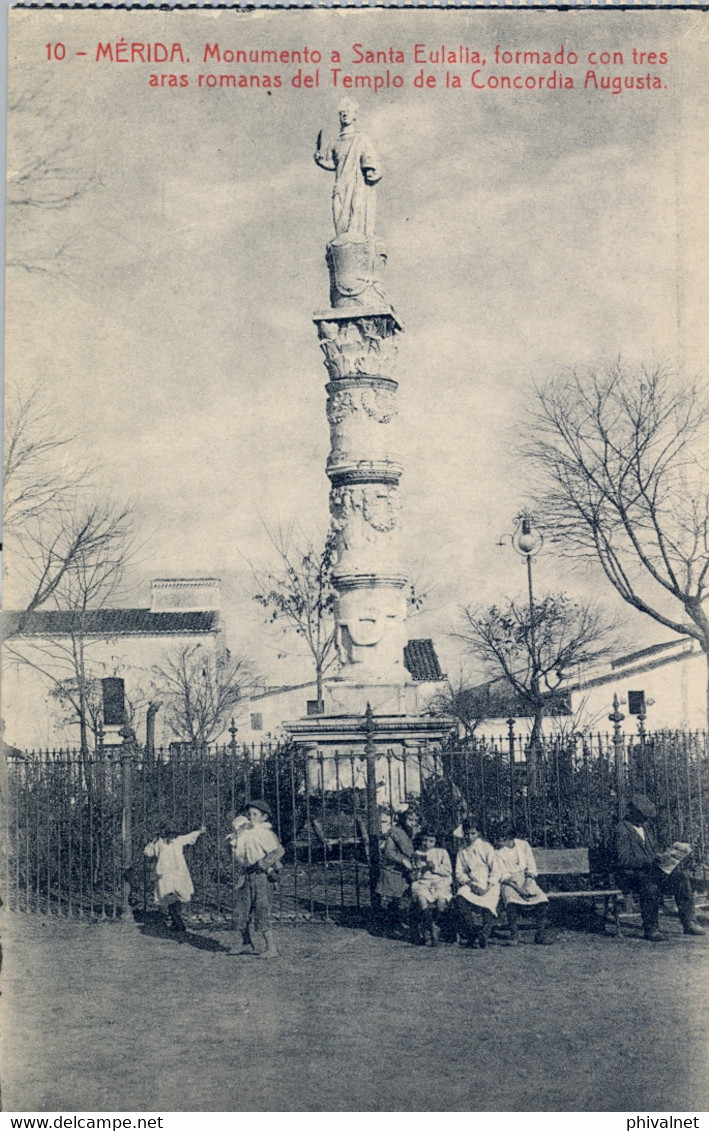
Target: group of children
[(487, 879), (257, 854), (417, 876)]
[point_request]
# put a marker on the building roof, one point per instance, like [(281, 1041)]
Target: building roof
[(496, 699), (637, 663), (421, 661), (109, 622), (281, 689), (653, 650)]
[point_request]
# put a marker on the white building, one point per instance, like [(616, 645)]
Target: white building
[(671, 676), (262, 715), (125, 642)]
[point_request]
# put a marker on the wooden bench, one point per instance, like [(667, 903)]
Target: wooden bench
[(349, 832), (574, 862)]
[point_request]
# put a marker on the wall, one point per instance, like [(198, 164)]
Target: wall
[(33, 719), (675, 682)]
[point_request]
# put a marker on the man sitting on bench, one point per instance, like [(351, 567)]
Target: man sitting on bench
[(636, 854), (519, 886)]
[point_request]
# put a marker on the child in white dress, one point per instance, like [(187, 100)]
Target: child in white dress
[(520, 890), (477, 872), (174, 887), (431, 891)]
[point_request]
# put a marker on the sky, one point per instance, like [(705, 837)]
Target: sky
[(169, 306)]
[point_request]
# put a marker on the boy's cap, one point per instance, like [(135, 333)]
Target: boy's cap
[(258, 803), (643, 805)]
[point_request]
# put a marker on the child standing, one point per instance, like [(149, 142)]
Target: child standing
[(174, 883), (431, 885), (257, 853)]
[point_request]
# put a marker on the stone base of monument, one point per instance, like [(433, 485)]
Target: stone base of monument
[(328, 732), (346, 697), (399, 745)]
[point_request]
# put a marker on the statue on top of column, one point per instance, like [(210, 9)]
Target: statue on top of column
[(356, 166)]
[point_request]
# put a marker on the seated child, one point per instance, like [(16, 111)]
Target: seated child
[(477, 873), (174, 884), (520, 890), (431, 892), (257, 853), (397, 861)]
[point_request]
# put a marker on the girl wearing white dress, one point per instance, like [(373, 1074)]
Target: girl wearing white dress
[(174, 885), (431, 892), (477, 873), (520, 890)]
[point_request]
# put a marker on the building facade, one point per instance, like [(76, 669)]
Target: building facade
[(668, 680), (40, 657)]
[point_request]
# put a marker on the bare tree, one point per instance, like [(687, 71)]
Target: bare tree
[(200, 690), (73, 559), (469, 703), (47, 174), (68, 550), (623, 457), (61, 536), (78, 588), (35, 477), (299, 595), (533, 650)]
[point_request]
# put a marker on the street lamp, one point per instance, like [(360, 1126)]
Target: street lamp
[(527, 540)]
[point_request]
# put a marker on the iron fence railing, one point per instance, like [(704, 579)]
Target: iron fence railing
[(75, 826)]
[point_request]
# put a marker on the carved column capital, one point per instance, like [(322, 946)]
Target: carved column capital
[(355, 347)]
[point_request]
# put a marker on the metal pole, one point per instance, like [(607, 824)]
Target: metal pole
[(642, 733), (532, 633), (511, 738), (618, 743), (535, 746), (373, 824), (127, 752)]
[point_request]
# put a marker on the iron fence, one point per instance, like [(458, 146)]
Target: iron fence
[(75, 826)]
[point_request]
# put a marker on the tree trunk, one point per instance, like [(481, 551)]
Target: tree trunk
[(153, 709), (700, 617), (80, 671), (83, 722), (534, 754)]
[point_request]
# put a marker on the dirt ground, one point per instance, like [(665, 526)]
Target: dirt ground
[(105, 1017)]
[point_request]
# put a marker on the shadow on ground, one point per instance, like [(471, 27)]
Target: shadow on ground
[(154, 925)]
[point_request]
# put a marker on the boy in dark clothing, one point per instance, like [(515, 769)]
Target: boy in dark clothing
[(397, 864), (636, 853), (257, 854)]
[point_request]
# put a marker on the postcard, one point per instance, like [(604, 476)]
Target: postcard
[(355, 636)]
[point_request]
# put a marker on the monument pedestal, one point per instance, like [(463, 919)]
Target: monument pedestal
[(388, 752), (347, 697)]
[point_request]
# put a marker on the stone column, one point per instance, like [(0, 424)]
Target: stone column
[(358, 338)]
